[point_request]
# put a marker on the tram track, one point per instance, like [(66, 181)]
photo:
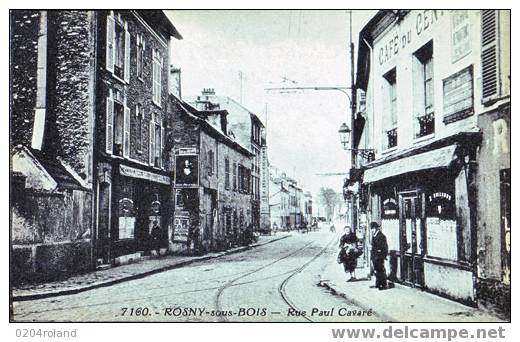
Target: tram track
[(282, 287), (231, 282)]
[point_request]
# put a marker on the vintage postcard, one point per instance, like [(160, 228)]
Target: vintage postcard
[(260, 166)]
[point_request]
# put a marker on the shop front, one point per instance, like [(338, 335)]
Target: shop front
[(423, 200), (138, 201)]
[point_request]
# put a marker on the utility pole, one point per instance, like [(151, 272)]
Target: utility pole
[(353, 162), (353, 93)]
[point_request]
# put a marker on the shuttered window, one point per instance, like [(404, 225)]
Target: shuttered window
[(226, 172), (118, 47), (489, 54), (110, 124), (157, 73), (156, 140)]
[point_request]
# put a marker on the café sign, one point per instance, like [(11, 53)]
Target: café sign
[(403, 36)]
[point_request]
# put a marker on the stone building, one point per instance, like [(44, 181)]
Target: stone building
[(133, 159), (437, 119), (89, 92), (52, 121), (279, 204), (289, 205), (247, 129), (212, 182)]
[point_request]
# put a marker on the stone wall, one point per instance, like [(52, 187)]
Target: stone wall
[(23, 65), (70, 89)]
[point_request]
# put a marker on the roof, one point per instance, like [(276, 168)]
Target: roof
[(379, 22), (157, 18), (192, 113), (227, 103), (53, 167)]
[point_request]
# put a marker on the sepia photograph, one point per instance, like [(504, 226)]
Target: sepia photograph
[(261, 166)]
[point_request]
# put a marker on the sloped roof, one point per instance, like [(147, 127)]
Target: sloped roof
[(54, 169)]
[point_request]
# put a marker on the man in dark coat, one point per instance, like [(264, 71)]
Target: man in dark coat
[(378, 255)]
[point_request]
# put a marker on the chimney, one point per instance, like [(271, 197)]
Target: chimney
[(174, 82), (208, 91)]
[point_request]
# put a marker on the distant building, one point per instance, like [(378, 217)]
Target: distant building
[(289, 206), (437, 116)]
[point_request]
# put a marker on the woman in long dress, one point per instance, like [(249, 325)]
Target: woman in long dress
[(349, 252)]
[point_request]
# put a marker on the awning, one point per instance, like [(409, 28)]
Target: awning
[(438, 158)]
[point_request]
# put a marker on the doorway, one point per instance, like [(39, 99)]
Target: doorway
[(104, 218), (412, 237)]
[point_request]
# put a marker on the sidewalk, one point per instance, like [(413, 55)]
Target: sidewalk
[(114, 275), (401, 303)]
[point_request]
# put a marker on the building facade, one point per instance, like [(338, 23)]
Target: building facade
[(431, 100), (248, 130), (212, 209), (97, 87), (278, 204), (133, 150)]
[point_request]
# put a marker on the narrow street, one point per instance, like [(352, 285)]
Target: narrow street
[(277, 282)]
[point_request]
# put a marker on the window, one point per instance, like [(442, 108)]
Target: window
[(156, 140), (235, 180), (141, 46), (489, 25), (140, 136), (424, 113), (211, 162), (118, 47), (157, 73), (226, 170), (117, 125), (458, 95), (391, 114)]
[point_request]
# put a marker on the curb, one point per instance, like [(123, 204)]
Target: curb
[(180, 264), (334, 291)]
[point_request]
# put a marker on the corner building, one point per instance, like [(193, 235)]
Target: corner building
[(436, 83)]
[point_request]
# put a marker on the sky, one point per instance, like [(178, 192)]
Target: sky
[(277, 48)]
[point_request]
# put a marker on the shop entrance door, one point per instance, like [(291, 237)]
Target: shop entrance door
[(103, 234), (411, 222)]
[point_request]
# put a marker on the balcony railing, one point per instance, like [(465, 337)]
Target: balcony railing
[(425, 125), (391, 136)]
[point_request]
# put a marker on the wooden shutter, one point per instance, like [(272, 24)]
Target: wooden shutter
[(489, 54), (110, 124), (162, 145), (154, 82), (152, 141), (126, 131), (127, 54), (110, 52)]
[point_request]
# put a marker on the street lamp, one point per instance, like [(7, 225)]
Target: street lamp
[(344, 136)]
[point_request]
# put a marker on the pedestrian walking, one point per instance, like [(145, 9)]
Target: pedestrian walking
[(349, 252), (331, 227), (379, 254)]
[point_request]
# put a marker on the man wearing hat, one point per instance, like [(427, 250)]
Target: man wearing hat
[(378, 255)]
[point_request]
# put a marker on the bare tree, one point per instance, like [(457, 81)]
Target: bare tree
[(329, 199)]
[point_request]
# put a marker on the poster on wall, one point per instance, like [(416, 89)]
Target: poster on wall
[(181, 227), (461, 44), (186, 171)]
